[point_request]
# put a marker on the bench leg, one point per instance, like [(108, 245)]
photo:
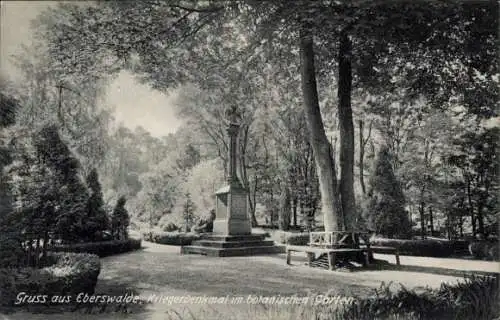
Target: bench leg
[(367, 257), (397, 259), (288, 257), (310, 257), (331, 260)]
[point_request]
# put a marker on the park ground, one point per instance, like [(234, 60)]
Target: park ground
[(160, 271)]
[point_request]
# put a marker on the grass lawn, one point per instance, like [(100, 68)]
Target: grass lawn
[(160, 271)]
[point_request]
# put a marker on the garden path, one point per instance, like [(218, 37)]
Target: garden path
[(160, 270)]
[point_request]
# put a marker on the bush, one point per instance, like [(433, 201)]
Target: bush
[(425, 248), (475, 298), (384, 210), (68, 275), (460, 246), (169, 227), (493, 253), (294, 238), (173, 238), (102, 248), (484, 250), (120, 220)]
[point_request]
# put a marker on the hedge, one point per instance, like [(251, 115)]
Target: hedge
[(101, 248), (460, 246), (425, 248), (293, 238), (68, 275), (172, 238)]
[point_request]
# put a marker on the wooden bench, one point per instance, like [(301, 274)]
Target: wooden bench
[(336, 238), (312, 251), (382, 249)]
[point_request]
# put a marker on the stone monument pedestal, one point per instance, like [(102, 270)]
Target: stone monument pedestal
[(232, 233), (231, 211)]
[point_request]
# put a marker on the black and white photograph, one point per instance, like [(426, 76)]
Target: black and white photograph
[(249, 159)]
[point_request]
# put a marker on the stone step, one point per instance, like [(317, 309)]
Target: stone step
[(233, 244), (226, 238), (232, 252)]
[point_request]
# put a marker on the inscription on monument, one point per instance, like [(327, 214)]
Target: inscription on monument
[(239, 206)]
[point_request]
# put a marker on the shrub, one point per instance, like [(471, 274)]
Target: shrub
[(97, 220), (426, 248), (169, 227), (470, 299), (484, 250), (148, 236), (188, 213), (174, 238), (120, 220), (60, 180), (460, 246), (102, 248), (493, 252), (385, 207), (294, 238), (68, 275), (11, 250)]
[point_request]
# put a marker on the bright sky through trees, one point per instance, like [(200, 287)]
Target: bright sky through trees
[(135, 104)]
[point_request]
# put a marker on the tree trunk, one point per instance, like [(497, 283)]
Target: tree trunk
[(330, 202), (480, 219), (449, 225), (45, 244), (251, 208), (302, 213), (30, 250), (37, 252), (422, 219), (431, 221), (471, 207), (284, 209), (346, 133), (461, 226), (243, 174), (294, 210), (361, 157)]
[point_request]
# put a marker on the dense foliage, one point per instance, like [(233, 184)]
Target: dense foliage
[(64, 275), (475, 298), (403, 81), (419, 79), (97, 220), (385, 212), (120, 220), (172, 238), (100, 248)]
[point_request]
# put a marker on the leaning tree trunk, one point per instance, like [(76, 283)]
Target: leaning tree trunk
[(361, 158), (330, 202), (346, 133)]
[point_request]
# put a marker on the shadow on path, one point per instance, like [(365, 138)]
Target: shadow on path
[(160, 271)]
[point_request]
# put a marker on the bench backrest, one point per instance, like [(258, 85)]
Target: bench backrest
[(334, 238)]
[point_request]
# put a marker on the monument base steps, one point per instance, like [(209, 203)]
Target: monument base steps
[(232, 246)]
